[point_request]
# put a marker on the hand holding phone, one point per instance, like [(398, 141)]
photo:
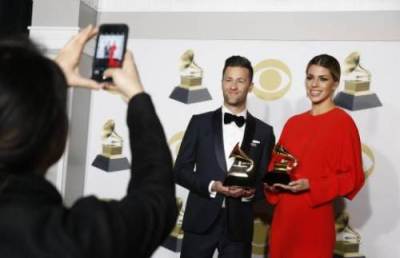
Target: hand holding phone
[(110, 49), (125, 81), (69, 58)]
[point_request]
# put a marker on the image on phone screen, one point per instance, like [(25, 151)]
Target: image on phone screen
[(110, 50)]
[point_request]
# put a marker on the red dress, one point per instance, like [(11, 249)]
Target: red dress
[(329, 152)]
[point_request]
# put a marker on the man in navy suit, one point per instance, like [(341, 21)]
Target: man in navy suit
[(217, 216)]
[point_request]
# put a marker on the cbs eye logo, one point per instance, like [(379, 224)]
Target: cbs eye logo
[(272, 79), (368, 159), (175, 143)]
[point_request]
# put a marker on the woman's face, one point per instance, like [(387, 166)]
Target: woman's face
[(320, 85)]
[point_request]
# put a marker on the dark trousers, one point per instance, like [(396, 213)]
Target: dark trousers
[(204, 245)]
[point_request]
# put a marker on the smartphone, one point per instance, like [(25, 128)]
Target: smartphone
[(110, 49)]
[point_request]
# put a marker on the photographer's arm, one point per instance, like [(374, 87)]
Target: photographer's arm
[(137, 224)]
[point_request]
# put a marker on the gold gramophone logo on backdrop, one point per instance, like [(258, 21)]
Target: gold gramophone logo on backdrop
[(368, 160), (174, 240), (175, 143), (347, 239), (190, 89), (272, 79), (111, 158), (356, 94), (260, 237)]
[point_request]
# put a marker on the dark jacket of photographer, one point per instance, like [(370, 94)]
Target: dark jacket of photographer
[(35, 223)]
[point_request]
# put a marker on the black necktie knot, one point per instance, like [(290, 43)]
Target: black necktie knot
[(239, 120)]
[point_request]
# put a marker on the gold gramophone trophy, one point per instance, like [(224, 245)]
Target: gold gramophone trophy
[(111, 158), (174, 241), (347, 239), (190, 90), (356, 94), (241, 172), (284, 163)]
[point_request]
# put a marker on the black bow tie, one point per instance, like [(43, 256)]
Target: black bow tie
[(239, 120)]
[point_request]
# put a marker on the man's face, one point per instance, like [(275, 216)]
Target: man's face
[(235, 85)]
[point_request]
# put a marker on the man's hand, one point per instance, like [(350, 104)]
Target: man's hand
[(70, 55), (249, 192), (126, 81), (232, 191)]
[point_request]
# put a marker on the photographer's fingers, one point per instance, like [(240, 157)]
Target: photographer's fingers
[(130, 67), (87, 34), (69, 57), (86, 83)]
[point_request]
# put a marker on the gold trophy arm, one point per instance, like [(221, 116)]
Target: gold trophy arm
[(238, 153), (251, 166), (365, 70), (281, 151), (194, 65), (117, 136)]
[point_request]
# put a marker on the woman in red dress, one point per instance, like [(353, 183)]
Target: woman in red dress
[(326, 143)]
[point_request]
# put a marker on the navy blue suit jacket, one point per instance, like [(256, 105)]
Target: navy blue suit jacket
[(201, 159)]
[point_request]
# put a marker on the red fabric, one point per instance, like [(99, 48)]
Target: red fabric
[(112, 62), (329, 152)]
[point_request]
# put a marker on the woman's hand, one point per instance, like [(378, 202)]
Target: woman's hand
[(271, 188), (299, 185), (70, 55)]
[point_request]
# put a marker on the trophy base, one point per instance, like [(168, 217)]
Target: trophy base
[(188, 96), (110, 164), (238, 181), (348, 255), (272, 178), (357, 102), (346, 246), (173, 243)]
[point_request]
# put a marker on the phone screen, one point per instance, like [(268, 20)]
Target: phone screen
[(110, 49)]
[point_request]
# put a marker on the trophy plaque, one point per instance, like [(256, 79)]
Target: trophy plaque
[(241, 172), (111, 158), (347, 239), (190, 90), (284, 163), (356, 94)]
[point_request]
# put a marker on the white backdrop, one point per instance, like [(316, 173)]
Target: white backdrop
[(375, 212)]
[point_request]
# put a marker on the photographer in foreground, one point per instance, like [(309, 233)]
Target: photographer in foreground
[(33, 132)]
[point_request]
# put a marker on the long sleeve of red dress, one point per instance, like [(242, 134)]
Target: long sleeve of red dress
[(347, 176)]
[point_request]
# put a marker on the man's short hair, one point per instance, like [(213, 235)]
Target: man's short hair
[(239, 61)]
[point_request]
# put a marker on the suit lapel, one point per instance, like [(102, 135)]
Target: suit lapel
[(218, 139), (248, 133)]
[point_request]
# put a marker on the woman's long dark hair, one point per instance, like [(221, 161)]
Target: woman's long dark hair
[(33, 117)]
